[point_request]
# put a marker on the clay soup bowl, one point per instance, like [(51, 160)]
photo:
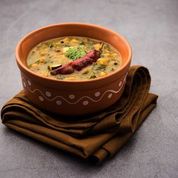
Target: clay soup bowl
[(73, 97)]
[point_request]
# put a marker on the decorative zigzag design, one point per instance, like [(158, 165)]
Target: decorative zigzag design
[(59, 99)]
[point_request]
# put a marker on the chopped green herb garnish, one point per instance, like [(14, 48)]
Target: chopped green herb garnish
[(93, 76), (75, 52), (100, 67), (37, 62), (51, 46)]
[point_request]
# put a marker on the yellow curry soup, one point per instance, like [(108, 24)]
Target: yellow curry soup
[(52, 57)]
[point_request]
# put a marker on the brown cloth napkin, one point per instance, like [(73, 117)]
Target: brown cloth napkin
[(97, 136)]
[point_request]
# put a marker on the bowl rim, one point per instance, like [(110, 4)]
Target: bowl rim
[(47, 79)]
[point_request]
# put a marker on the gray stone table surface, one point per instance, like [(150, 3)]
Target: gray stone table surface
[(152, 29)]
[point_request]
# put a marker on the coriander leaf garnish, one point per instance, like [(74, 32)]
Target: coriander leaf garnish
[(75, 52)]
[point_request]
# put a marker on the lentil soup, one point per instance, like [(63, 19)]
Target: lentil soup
[(73, 58)]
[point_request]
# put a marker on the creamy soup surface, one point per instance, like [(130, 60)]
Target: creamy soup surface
[(58, 53)]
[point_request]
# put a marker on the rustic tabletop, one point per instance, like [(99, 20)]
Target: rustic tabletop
[(152, 29)]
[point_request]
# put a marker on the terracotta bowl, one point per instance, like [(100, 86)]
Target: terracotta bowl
[(73, 97)]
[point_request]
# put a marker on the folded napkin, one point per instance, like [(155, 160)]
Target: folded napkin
[(96, 137)]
